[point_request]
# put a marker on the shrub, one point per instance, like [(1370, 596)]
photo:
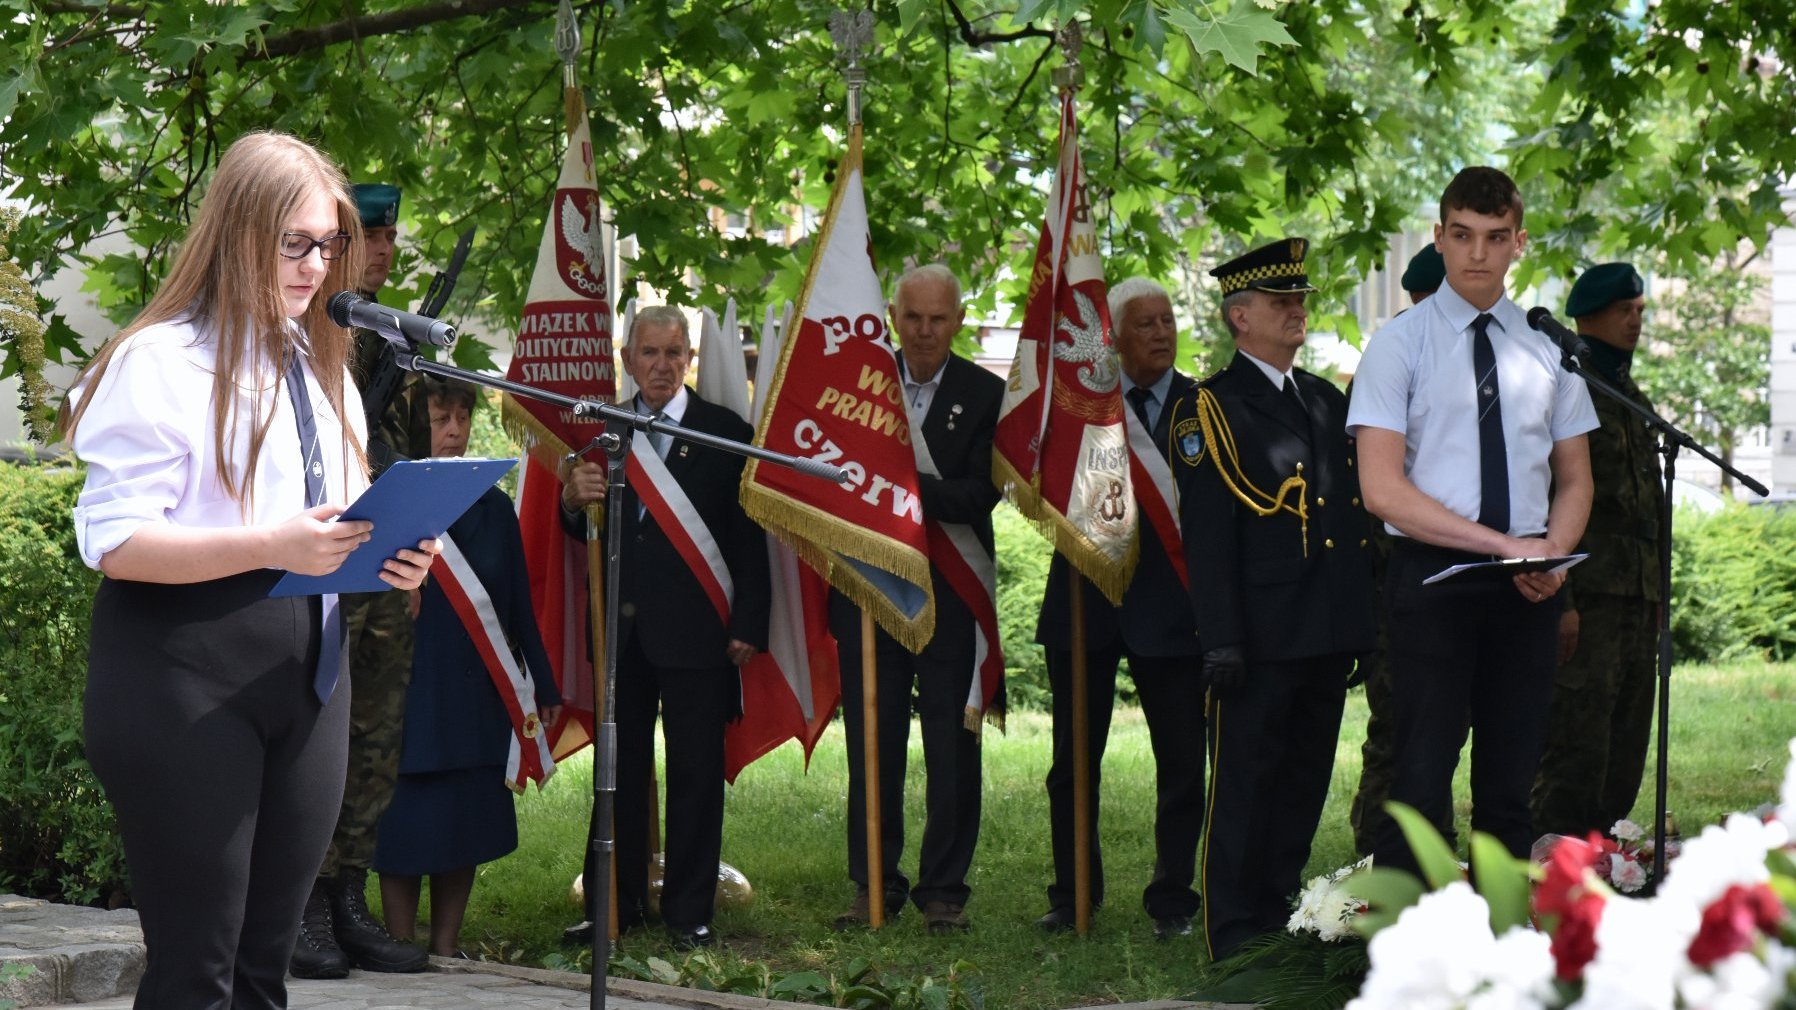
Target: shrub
[(1734, 585), (57, 839), (1023, 556)]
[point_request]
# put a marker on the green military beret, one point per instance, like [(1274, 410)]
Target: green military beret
[(1275, 267), (1426, 271), (1601, 286), (378, 203)]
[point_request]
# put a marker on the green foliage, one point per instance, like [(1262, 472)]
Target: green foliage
[(1023, 558), (1708, 366), (23, 332), (1733, 587), (58, 839), (9, 972), (857, 984), (1287, 971)]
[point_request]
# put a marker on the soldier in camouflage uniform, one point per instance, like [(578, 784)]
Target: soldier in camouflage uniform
[(1603, 691), (1426, 272), (338, 931)]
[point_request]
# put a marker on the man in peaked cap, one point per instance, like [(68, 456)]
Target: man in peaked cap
[(338, 931), (1602, 707), (1281, 589)]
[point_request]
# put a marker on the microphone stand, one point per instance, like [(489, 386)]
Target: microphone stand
[(1671, 439), (621, 425)]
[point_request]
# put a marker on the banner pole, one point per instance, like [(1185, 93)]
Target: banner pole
[(1081, 709)]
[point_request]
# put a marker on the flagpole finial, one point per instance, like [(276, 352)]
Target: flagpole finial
[(567, 42), (853, 34), (1071, 40)]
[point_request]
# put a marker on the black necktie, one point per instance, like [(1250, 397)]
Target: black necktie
[(330, 643), (1139, 398), (1493, 457), (1290, 390)]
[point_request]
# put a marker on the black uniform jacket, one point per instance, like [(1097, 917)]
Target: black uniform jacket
[(662, 601), (1267, 582), (1155, 616)]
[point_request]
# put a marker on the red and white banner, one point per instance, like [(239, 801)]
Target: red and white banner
[(1060, 451), (789, 691), (680, 521), (1155, 493), (972, 572), (837, 397), (563, 346), (528, 759)]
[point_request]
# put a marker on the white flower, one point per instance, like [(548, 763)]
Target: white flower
[(1625, 874), (1440, 954), (1740, 982), (1325, 908), (1639, 954), (1722, 856), (1626, 831)]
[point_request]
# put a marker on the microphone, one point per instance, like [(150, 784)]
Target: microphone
[(348, 309), (1570, 343)]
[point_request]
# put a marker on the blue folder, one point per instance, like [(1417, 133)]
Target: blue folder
[(413, 500)]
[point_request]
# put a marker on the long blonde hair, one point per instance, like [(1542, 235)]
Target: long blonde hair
[(226, 280)]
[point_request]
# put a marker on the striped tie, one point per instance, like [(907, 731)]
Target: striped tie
[(330, 643), (1493, 457)]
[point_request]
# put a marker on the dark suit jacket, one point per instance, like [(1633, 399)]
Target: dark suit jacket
[(1252, 583), (453, 715), (958, 430), (1155, 616), (661, 600)]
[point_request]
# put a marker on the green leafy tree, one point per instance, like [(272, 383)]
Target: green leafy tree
[(22, 330), (1708, 363), (1206, 127)]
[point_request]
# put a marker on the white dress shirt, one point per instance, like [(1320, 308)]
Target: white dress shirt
[(1416, 379), (151, 456)]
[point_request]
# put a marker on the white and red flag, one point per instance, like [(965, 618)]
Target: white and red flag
[(563, 346), (1061, 451), (836, 396), (789, 691)]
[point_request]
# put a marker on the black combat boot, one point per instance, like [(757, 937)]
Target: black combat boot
[(362, 938), (315, 953)]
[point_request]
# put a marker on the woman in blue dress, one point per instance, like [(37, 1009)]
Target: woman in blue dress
[(452, 809)]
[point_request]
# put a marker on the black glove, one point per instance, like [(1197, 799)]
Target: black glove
[(1225, 669)]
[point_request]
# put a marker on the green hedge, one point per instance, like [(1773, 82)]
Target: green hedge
[(1734, 584), (57, 837)]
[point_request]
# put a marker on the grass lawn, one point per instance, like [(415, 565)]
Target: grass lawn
[(784, 831)]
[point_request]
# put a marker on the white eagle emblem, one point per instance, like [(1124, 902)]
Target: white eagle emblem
[(1084, 345), (581, 233)]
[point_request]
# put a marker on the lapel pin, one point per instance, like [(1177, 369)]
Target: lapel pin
[(683, 447)]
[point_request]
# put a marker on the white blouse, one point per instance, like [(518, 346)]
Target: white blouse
[(150, 453)]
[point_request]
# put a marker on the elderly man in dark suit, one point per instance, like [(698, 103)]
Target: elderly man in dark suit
[(953, 407), (678, 653), (1153, 628), (1281, 586)]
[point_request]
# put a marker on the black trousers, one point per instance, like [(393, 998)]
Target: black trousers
[(1467, 650), (1172, 700), (694, 706), (1272, 754), (941, 674), (225, 774)]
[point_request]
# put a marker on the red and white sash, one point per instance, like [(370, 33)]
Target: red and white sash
[(529, 758), (679, 519), (972, 573), (1155, 492)]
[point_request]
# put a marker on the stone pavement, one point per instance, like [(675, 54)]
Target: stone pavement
[(95, 958)]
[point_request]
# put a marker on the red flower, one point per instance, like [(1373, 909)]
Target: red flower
[(1574, 942), (1566, 865), (1730, 925)]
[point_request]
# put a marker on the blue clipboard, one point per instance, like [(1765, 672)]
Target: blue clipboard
[(415, 499)]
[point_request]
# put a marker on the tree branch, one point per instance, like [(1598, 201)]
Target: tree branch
[(391, 22), (976, 38)]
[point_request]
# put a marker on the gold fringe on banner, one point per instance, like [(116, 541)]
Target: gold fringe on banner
[(1111, 575)]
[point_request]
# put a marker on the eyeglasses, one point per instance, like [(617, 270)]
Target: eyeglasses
[(298, 245)]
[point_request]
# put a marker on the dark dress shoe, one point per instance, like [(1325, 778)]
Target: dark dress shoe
[(1168, 926), (578, 935), (1059, 919), (691, 937)]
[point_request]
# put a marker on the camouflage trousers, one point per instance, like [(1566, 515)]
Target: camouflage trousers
[(1601, 720), (380, 667)]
